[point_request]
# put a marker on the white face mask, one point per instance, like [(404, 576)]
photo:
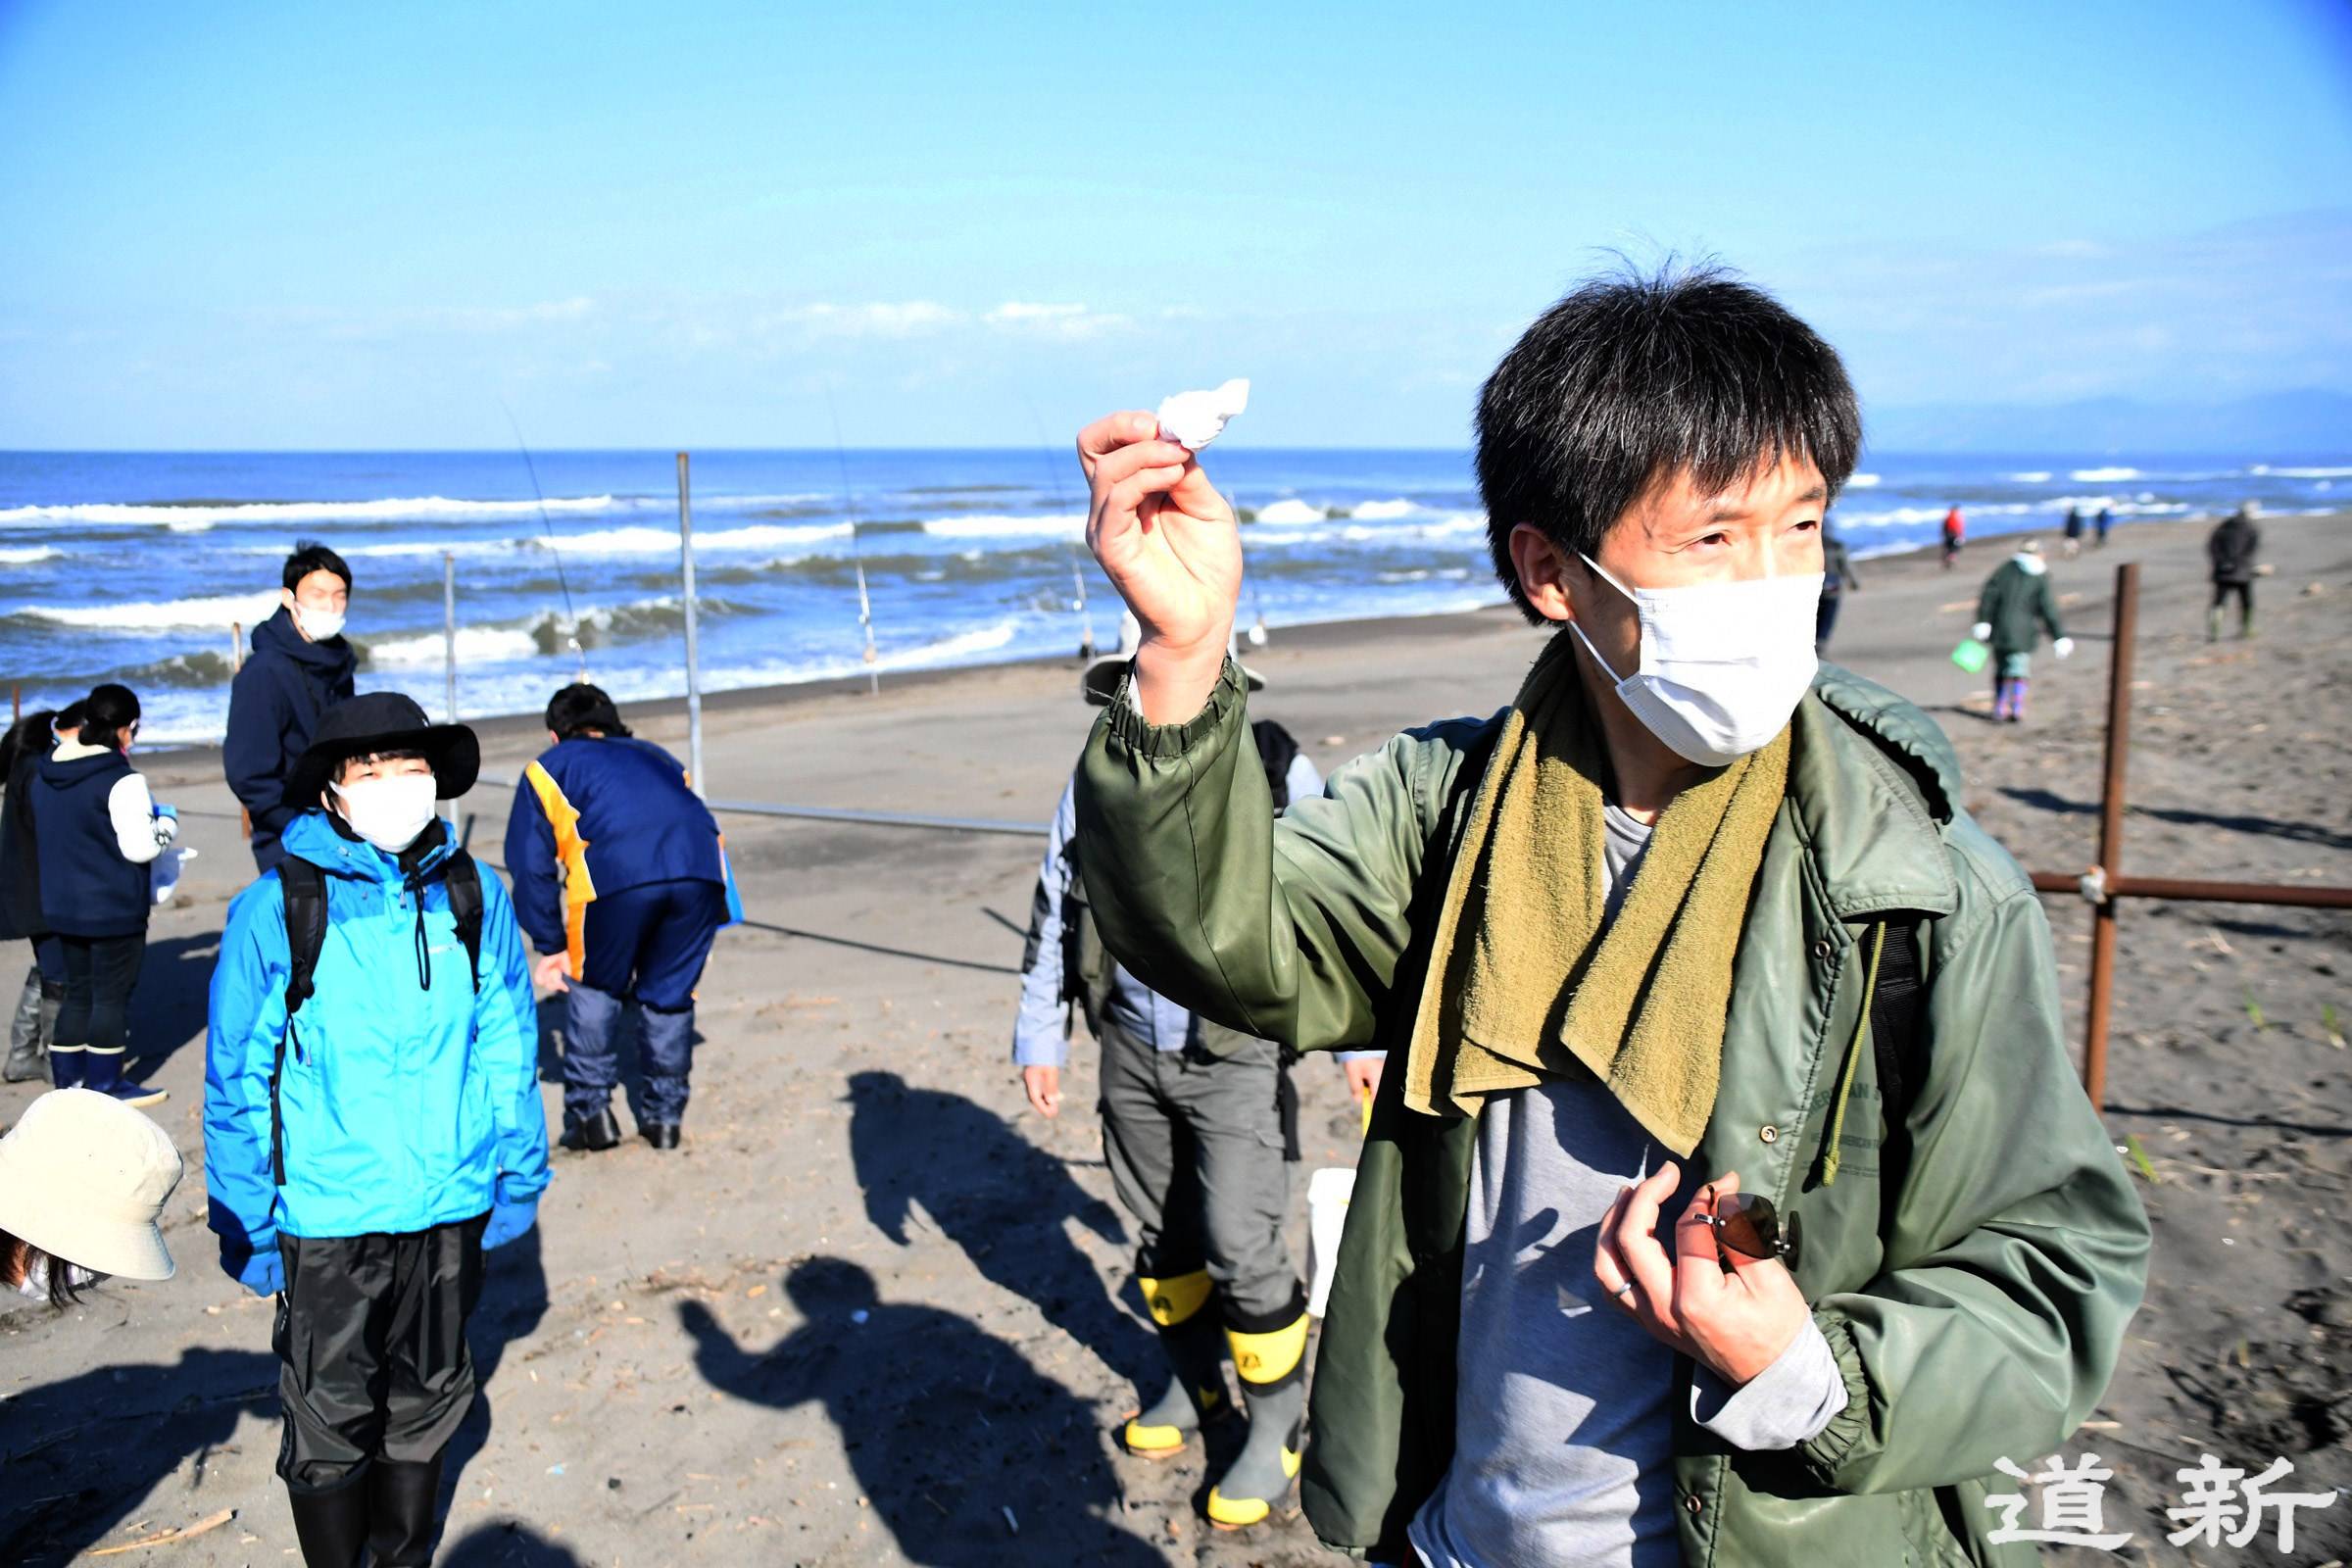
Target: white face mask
[(389, 812), (317, 624), (1723, 663)]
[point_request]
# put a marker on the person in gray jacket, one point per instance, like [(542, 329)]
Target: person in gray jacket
[(1197, 1121)]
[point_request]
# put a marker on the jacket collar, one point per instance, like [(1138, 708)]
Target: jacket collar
[(1871, 783), (314, 837), (333, 657)]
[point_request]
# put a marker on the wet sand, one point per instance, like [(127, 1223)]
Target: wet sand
[(676, 1366)]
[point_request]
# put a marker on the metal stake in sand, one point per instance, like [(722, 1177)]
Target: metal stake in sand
[(448, 625), (694, 661), (237, 667)]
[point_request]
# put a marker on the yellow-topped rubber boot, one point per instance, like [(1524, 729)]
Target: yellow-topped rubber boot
[(1195, 1392), (1273, 1371)]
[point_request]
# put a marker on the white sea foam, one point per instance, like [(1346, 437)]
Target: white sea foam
[(188, 519), (1375, 511), (26, 555), (248, 609), (2102, 475), (650, 541), (982, 526), (1290, 512), (2033, 476), (2301, 474), (1862, 481), (477, 645)]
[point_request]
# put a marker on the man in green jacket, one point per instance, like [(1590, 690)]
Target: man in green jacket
[(1729, 1197)]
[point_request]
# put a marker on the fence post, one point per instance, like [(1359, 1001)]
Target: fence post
[(2111, 829), (694, 670), (449, 625)]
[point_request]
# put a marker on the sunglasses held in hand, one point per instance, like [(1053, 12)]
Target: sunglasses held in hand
[(1747, 1223)]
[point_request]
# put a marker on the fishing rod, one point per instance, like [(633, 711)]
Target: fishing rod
[(1086, 616), (547, 533), (848, 504)]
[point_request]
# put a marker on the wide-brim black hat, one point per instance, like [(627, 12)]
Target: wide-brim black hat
[(383, 721)]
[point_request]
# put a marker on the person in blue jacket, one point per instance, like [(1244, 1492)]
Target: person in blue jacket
[(622, 882), (372, 1120), (300, 665)]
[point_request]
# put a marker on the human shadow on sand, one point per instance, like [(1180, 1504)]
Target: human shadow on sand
[(80, 1455), (168, 1006), (513, 1300), (2325, 837), (511, 1544), (996, 1196), (945, 1428)]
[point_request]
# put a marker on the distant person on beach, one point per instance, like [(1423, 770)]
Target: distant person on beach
[(2101, 523), (371, 1118), (1955, 534), (299, 667), (99, 830), (1196, 1120), (622, 882), (34, 1020), (2073, 532), (2014, 609), (1837, 575), (1730, 1195), (2232, 549), (83, 1179)]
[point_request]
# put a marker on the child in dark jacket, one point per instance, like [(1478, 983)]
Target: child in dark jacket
[(622, 882), (372, 1120), (98, 833)]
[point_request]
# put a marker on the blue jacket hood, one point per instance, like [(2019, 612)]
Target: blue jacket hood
[(314, 837)]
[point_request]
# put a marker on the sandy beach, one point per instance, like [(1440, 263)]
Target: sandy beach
[(876, 1312)]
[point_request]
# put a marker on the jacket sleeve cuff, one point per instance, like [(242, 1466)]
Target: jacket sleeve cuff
[(1130, 731), (1789, 1401), (1829, 1449), (514, 1188)]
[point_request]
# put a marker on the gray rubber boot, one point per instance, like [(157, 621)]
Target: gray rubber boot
[(1195, 1392), (1258, 1484), (27, 1040)]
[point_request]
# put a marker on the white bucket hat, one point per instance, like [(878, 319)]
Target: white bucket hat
[(83, 1177)]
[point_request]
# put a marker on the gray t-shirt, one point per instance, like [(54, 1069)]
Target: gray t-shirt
[(1563, 1411)]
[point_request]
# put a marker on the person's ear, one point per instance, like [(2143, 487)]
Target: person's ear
[(554, 738), (285, 598), (1543, 570)]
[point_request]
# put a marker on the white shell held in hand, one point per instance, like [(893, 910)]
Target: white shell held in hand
[(1193, 419)]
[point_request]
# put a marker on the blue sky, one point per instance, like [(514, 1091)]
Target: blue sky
[(256, 226)]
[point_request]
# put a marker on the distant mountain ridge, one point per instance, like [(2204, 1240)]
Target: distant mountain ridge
[(2270, 425)]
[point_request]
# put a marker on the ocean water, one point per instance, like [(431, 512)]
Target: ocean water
[(134, 566)]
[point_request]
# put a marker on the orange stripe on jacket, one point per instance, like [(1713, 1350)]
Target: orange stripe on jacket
[(571, 855)]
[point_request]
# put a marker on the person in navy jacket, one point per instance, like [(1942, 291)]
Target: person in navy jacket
[(96, 832), (300, 668), (620, 882), (364, 1148)]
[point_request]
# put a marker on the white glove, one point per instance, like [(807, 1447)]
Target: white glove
[(2063, 647), (167, 828), (1981, 631)]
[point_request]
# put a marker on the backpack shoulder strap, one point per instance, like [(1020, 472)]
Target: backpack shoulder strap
[(1894, 1014), (463, 876), (305, 888)]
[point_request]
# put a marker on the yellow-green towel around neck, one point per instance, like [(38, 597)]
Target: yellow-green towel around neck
[(1525, 984)]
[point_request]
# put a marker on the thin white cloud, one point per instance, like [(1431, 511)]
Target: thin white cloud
[(1055, 320), (886, 318)]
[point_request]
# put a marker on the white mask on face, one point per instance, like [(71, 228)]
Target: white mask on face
[(389, 812), (1723, 663), (317, 625)]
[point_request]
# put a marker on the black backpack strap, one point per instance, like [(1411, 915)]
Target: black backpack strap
[(463, 876), (1894, 1020), (305, 888)]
